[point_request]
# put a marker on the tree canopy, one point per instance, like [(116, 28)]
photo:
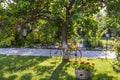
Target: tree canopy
[(64, 16)]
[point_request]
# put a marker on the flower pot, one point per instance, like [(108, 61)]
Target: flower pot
[(82, 74)]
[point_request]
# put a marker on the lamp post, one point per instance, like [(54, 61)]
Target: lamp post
[(107, 36)]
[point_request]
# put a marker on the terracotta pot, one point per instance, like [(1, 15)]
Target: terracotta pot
[(82, 74)]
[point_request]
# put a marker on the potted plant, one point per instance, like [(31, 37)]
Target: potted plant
[(83, 69)]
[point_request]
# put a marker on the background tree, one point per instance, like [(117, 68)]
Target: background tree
[(113, 14)]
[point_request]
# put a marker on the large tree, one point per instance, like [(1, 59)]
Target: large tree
[(65, 13)]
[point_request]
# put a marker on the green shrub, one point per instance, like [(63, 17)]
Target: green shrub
[(116, 46), (118, 50), (6, 42)]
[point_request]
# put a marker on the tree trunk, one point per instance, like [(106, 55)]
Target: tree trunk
[(64, 33), (64, 30), (64, 41)]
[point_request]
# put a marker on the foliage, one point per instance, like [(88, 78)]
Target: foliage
[(114, 26), (113, 14), (73, 47), (58, 45), (93, 32), (6, 42), (53, 15), (116, 46), (31, 38), (116, 65), (66, 12), (113, 8), (6, 36)]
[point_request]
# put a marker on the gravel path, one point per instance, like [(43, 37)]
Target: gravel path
[(52, 52)]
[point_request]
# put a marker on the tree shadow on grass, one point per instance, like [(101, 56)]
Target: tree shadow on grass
[(116, 66), (12, 64), (54, 71), (19, 63), (26, 76), (12, 77), (102, 76), (60, 72)]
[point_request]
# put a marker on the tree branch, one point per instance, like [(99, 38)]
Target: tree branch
[(71, 4)]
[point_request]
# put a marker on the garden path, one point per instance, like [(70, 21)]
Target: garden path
[(46, 52)]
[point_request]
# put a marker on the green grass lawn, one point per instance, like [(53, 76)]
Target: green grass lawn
[(103, 40), (47, 68)]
